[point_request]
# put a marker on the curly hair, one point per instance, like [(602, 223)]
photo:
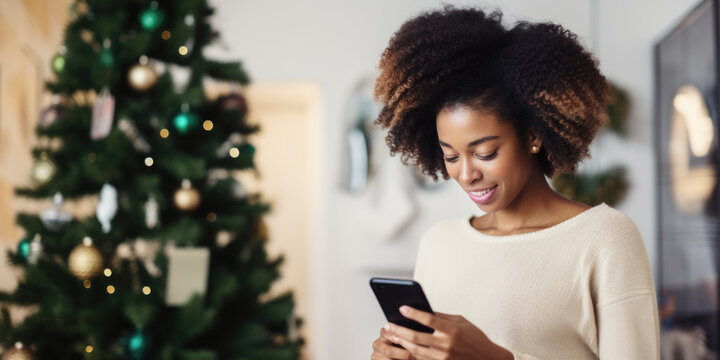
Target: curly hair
[(534, 74)]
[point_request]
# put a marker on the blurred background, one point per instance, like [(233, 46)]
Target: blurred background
[(343, 209)]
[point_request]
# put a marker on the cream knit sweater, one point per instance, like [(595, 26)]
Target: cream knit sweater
[(581, 289)]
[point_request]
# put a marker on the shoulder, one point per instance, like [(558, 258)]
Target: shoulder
[(434, 247), (619, 263), (450, 226), (445, 230), (603, 226), (614, 217), (612, 230)]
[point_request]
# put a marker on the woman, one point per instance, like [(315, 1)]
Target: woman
[(538, 276)]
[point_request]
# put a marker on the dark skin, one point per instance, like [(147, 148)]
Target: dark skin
[(484, 155)]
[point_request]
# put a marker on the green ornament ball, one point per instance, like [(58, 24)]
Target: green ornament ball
[(247, 148), (58, 63), (24, 248), (151, 19), (135, 345), (106, 57), (185, 121)]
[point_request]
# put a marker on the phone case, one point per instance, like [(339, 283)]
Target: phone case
[(393, 293)]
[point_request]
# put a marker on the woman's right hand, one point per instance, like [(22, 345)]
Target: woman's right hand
[(383, 349)]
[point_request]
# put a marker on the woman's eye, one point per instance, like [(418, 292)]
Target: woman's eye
[(451, 158), (487, 157)]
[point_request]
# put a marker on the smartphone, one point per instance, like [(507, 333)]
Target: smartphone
[(393, 293)]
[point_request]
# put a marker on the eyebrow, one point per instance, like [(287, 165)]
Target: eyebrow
[(472, 143)]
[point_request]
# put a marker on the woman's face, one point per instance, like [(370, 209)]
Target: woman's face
[(485, 156)]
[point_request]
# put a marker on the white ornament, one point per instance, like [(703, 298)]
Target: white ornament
[(238, 190), (107, 206), (180, 76)]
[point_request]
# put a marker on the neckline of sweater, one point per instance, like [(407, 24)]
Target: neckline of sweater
[(533, 234)]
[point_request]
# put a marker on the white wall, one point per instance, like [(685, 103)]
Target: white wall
[(336, 43)]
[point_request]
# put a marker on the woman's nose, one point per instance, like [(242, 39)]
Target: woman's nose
[(468, 172)]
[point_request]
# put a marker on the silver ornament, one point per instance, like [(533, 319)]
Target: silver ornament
[(55, 218), (107, 206), (138, 142), (152, 217), (36, 249)]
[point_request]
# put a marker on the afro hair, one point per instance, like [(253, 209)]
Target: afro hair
[(535, 74)]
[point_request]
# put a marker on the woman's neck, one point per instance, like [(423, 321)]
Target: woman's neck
[(536, 207)]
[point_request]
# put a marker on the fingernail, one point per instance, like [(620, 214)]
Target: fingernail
[(387, 327), (404, 309)]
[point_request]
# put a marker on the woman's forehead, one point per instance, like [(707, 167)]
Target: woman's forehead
[(466, 121)]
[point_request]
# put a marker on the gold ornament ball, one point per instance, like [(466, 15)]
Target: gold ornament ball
[(141, 77), (85, 261), (187, 198), (43, 170), (18, 353)]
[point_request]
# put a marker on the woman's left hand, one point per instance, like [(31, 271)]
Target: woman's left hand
[(454, 338)]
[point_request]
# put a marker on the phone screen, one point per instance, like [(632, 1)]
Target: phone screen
[(393, 293)]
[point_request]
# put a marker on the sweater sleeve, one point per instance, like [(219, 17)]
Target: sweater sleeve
[(623, 292), (422, 262), (629, 328)]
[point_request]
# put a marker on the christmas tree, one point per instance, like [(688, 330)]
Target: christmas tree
[(172, 265)]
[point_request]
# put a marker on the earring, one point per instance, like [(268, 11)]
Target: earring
[(535, 149)]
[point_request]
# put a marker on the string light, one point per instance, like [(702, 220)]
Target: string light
[(164, 133), (182, 50), (146, 290), (207, 125), (211, 217), (165, 35), (110, 289), (234, 152), (107, 272), (149, 161), (88, 349), (87, 284)]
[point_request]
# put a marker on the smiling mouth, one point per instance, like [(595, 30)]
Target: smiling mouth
[(483, 192)]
